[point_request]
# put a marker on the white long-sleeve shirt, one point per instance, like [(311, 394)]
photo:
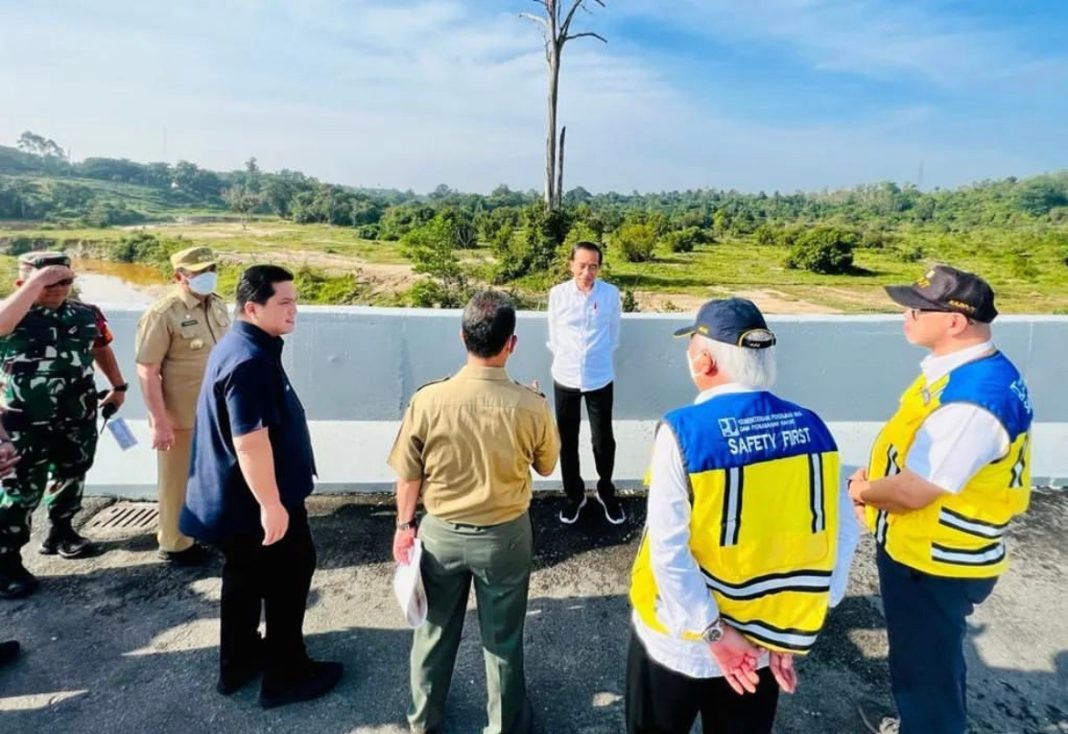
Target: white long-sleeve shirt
[(956, 440), (584, 334), (685, 602)]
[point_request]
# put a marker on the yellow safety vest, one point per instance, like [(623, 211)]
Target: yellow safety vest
[(958, 535), (764, 511)]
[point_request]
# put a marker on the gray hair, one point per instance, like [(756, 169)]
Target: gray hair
[(751, 367)]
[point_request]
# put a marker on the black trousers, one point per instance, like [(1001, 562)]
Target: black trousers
[(661, 701), (927, 670), (274, 579), (568, 417)]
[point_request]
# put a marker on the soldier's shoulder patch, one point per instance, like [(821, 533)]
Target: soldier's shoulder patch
[(433, 382)]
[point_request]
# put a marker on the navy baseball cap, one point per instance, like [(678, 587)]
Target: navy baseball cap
[(735, 321), (943, 288)]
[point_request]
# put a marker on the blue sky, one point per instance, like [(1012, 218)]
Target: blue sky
[(760, 95)]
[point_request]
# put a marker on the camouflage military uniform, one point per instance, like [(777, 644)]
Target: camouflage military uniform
[(49, 408)]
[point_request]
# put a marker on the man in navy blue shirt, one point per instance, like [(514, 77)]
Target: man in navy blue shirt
[(251, 471)]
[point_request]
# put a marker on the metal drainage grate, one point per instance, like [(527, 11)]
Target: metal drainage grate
[(124, 518)]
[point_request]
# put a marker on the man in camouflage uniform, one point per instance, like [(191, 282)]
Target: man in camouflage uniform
[(48, 345)]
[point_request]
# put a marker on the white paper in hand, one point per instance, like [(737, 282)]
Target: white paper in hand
[(408, 588), (122, 433)]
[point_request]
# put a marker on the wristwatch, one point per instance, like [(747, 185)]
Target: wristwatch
[(121, 388), (714, 632), (410, 525)]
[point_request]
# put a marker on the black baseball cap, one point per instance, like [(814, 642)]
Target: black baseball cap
[(943, 288), (735, 321)]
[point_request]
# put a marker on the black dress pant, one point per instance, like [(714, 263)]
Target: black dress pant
[(661, 701), (568, 418), (274, 579)]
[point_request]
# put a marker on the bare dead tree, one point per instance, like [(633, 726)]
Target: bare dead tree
[(559, 192), (556, 28)]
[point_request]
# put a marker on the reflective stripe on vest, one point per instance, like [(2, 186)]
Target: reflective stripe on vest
[(763, 482), (958, 535)]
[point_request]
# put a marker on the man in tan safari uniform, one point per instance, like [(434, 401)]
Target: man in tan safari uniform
[(174, 338)]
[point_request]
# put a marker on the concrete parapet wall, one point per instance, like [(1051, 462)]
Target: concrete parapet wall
[(355, 369)]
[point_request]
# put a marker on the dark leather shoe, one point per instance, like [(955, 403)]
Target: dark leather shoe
[(15, 580), (314, 680), (194, 555)]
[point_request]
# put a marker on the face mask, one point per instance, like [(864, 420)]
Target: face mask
[(689, 364), (204, 284)]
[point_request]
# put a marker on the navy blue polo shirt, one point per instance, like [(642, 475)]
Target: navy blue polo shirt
[(244, 389)]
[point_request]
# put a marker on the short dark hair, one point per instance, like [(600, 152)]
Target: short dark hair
[(488, 323), (256, 284), (587, 245)]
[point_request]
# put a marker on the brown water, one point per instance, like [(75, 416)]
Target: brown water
[(129, 284)]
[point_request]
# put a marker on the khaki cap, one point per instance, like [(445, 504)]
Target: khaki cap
[(44, 258), (193, 259)]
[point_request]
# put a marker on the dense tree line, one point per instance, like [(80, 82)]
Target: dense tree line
[(39, 182)]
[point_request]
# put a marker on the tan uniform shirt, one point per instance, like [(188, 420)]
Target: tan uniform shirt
[(472, 439), (177, 333)]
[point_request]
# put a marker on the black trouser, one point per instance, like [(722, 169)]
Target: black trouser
[(568, 418), (925, 623), (275, 578), (661, 701)]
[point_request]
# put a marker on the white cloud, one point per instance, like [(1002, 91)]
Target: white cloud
[(412, 94)]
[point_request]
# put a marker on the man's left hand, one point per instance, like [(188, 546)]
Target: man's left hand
[(114, 397), (782, 667)]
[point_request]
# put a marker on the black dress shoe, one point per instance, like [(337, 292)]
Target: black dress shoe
[(8, 651), (194, 555), (313, 680), (15, 580)]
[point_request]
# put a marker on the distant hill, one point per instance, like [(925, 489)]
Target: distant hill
[(109, 191)]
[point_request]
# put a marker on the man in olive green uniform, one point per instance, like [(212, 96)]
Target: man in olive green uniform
[(174, 338), (48, 346), (469, 443)]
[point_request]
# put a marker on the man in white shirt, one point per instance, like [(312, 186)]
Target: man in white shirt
[(948, 472), (584, 322), (729, 584)]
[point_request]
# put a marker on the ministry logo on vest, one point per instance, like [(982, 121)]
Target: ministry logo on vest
[(729, 427)]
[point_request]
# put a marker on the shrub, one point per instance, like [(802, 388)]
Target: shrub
[(684, 240), (139, 247), (826, 250), (766, 236), (910, 254), (635, 242)]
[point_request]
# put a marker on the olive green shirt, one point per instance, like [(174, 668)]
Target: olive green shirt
[(473, 439), (177, 333)]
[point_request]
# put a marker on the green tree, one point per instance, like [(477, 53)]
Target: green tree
[(635, 241), (826, 250), (432, 251)]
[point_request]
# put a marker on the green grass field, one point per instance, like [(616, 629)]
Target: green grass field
[(1030, 274)]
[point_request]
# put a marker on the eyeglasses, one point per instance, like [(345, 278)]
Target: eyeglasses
[(913, 314), (65, 283)]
